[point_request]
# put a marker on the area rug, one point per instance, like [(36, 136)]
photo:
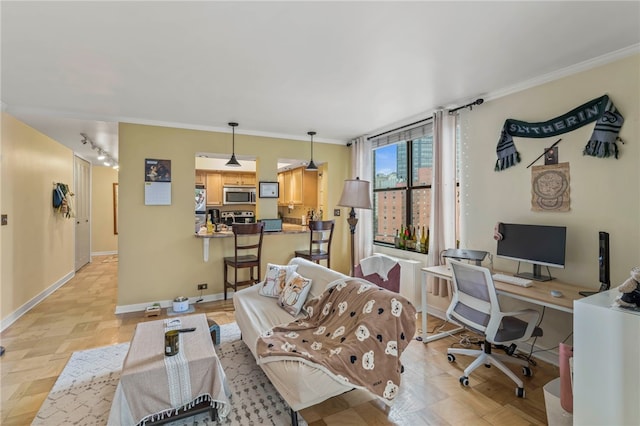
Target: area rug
[(84, 390)]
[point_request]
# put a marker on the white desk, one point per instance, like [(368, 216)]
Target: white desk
[(539, 293)]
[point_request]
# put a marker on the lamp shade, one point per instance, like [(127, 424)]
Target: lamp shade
[(356, 194)]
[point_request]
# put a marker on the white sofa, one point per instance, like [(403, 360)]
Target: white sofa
[(300, 385)]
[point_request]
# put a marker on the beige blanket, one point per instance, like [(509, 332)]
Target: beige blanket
[(153, 386), (355, 331)]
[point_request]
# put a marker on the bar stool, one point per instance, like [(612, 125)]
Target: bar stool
[(318, 238), (251, 235)]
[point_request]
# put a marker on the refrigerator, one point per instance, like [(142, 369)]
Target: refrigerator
[(201, 207)]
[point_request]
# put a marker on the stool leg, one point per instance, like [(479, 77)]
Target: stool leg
[(225, 280)]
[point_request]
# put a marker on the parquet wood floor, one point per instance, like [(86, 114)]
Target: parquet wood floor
[(80, 315)]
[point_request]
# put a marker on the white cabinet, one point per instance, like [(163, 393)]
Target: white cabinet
[(606, 363)]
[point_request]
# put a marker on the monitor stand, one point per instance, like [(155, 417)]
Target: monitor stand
[(536, 275)]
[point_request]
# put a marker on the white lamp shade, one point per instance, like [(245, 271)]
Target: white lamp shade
[(356, 194)]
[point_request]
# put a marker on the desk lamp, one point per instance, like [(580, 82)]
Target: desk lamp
[(355, 194)]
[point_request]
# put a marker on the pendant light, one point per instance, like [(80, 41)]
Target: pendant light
[(312, 165), (232, 161)]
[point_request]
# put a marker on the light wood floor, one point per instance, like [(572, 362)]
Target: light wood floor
[(80, 315)]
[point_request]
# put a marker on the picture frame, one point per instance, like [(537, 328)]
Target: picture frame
[(269, 190)]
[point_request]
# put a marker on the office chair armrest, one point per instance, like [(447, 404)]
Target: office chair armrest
[(530, 316)]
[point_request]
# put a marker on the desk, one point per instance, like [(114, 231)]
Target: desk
[(153, 386), (539, 293)]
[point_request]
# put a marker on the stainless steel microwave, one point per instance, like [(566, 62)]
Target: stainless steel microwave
[(238, 195)]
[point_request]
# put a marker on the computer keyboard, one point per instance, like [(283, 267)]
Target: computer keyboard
[(510, 279)]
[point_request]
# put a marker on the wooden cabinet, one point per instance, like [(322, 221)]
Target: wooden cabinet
[(298, 187), (231, 178), (201, 177), (282, 197), (214, 181), (214, 188)]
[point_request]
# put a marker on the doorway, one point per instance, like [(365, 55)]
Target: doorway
[(82, 185)]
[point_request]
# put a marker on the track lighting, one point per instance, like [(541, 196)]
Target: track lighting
[(103, 155)]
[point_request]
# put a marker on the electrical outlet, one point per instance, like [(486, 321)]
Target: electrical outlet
[(336, 212), (202, 286)]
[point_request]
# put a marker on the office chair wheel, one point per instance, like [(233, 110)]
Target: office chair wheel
[(520, 392), (526, 371), (451, 357), (464, 381)]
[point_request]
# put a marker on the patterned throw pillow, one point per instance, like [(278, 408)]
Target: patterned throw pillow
[(276, 278), (294, 294)]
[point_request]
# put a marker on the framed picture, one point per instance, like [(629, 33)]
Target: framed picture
[(269, 190)]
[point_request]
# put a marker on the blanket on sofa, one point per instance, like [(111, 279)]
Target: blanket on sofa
[(355, 331)]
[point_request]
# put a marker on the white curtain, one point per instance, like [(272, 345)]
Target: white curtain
[(443, 195), (361, 166)]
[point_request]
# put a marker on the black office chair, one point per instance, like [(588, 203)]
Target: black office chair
[(251, 235), (319, 242), (475, 306)]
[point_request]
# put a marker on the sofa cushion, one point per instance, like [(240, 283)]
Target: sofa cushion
[(276, 278), (295, 293), (320, 274)]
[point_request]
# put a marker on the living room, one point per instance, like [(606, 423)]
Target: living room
[(159, 257)]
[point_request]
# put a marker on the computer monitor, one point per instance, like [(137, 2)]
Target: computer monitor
[(540, 245)]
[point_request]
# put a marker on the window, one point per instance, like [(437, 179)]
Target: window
[(402, 179)]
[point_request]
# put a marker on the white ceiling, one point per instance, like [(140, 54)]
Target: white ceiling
[(280, 69)]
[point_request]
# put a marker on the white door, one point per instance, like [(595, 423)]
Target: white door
[(82, 199)]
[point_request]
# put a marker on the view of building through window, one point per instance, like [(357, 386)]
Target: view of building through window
[(402, 187)]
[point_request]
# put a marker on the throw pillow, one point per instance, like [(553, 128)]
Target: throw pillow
[(295, 293), (275, 279)]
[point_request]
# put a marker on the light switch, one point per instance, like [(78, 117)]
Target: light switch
[(4, 220)]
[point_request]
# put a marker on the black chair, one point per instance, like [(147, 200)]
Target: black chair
[(250, 235), (319, 242), (475, 306)]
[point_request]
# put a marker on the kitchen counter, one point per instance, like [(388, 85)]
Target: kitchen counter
[(287, 228)]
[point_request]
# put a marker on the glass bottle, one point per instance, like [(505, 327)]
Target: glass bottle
[(424, 245), (402, 240), (407, 237), (427, 247), (396, 239), (418, 240)]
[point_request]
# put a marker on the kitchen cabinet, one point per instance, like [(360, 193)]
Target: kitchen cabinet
[(201, 177), (299, 187), (231, 178), (214, 189), (282, 197)]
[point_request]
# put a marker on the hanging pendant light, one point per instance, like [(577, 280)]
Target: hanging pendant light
[(312, 165), (232, 161)]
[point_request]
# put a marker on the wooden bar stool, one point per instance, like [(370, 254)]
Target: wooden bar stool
[(319, 237), (251, 235)]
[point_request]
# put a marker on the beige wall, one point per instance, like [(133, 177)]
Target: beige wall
[(159, 256), (605, 193), (103, 239), (37, 243)]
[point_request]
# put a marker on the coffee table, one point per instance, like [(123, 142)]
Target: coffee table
[(155, 388)]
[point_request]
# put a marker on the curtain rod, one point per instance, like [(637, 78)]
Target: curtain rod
[(399, 128), (470, 106)]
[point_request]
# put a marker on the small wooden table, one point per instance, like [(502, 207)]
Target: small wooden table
[(155, 388)]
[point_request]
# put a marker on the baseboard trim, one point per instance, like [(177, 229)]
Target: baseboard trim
[(104, 253), (139, 307), (13, 317)]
